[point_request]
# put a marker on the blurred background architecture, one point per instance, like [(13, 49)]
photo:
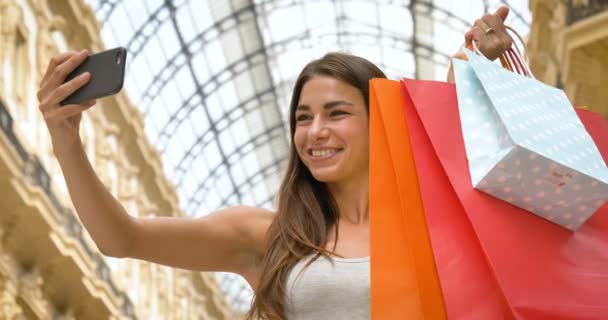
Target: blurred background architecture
[(568, 48), (201, 124)]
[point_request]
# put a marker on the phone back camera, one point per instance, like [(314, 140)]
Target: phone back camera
[(118, 58)]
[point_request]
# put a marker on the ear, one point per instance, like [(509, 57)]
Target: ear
[(502, 12)]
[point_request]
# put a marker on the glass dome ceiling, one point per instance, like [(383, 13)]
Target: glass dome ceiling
[(214, 78)]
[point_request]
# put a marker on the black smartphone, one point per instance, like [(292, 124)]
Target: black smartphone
[(107, 71)]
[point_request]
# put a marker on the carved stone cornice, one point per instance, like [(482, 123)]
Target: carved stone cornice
[(9, 308), (30, 291)]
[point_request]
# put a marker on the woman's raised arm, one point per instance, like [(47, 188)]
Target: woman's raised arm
[(229, 240)]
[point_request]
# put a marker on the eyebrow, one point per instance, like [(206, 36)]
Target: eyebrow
[(327, 106)]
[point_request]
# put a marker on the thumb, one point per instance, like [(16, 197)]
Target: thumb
[(503, 12)]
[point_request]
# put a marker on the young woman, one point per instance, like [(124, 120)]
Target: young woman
[(307, 260)]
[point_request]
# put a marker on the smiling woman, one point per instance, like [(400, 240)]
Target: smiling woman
[(318, 237), (325, 190)]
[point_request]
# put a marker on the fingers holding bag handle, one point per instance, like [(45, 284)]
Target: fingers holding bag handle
[(512, 58), (490, 34)]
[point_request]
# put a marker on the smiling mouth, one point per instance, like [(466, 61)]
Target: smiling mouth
[(323, 153)]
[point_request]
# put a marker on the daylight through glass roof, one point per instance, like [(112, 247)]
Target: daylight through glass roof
[(214, 79)]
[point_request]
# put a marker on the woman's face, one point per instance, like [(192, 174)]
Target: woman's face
[(331, 135)]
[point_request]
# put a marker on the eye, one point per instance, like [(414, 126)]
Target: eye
[(337, 113), (302, 117)]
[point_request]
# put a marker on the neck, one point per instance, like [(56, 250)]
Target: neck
[(352, 198)]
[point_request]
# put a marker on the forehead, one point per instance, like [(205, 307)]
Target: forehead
[(322, 89)]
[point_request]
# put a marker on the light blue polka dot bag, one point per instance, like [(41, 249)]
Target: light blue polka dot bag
[(526, 145)]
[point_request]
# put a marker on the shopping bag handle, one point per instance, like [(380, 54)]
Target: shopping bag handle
[(516, 54)]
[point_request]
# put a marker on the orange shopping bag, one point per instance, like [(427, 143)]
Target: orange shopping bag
[(404, 281)]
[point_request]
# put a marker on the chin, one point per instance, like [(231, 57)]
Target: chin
[(325, 177)]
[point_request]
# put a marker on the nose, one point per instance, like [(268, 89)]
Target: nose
[(318, 129)]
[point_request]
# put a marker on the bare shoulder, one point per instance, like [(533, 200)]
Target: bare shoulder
[(250, 223), (251, 227)]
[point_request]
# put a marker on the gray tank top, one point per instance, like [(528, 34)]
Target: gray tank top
[(333, 288)]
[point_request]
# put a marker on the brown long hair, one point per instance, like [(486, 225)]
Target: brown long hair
[(306, 209)]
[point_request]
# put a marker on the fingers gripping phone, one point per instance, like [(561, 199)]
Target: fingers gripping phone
[(107, 71)]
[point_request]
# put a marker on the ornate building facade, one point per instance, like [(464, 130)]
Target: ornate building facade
[(49, 267), (568, 48)]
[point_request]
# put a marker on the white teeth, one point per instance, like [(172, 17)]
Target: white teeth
[(323, 153)]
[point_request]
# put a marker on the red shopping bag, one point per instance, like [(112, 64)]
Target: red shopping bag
[(404, 282), (469, 289), (541, 271)]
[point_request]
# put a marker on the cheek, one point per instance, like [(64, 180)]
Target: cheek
[(358, 133), (363, 144), (360, 144), (298, 140)]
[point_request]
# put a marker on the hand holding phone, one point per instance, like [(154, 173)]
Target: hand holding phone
[(107, 71)]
